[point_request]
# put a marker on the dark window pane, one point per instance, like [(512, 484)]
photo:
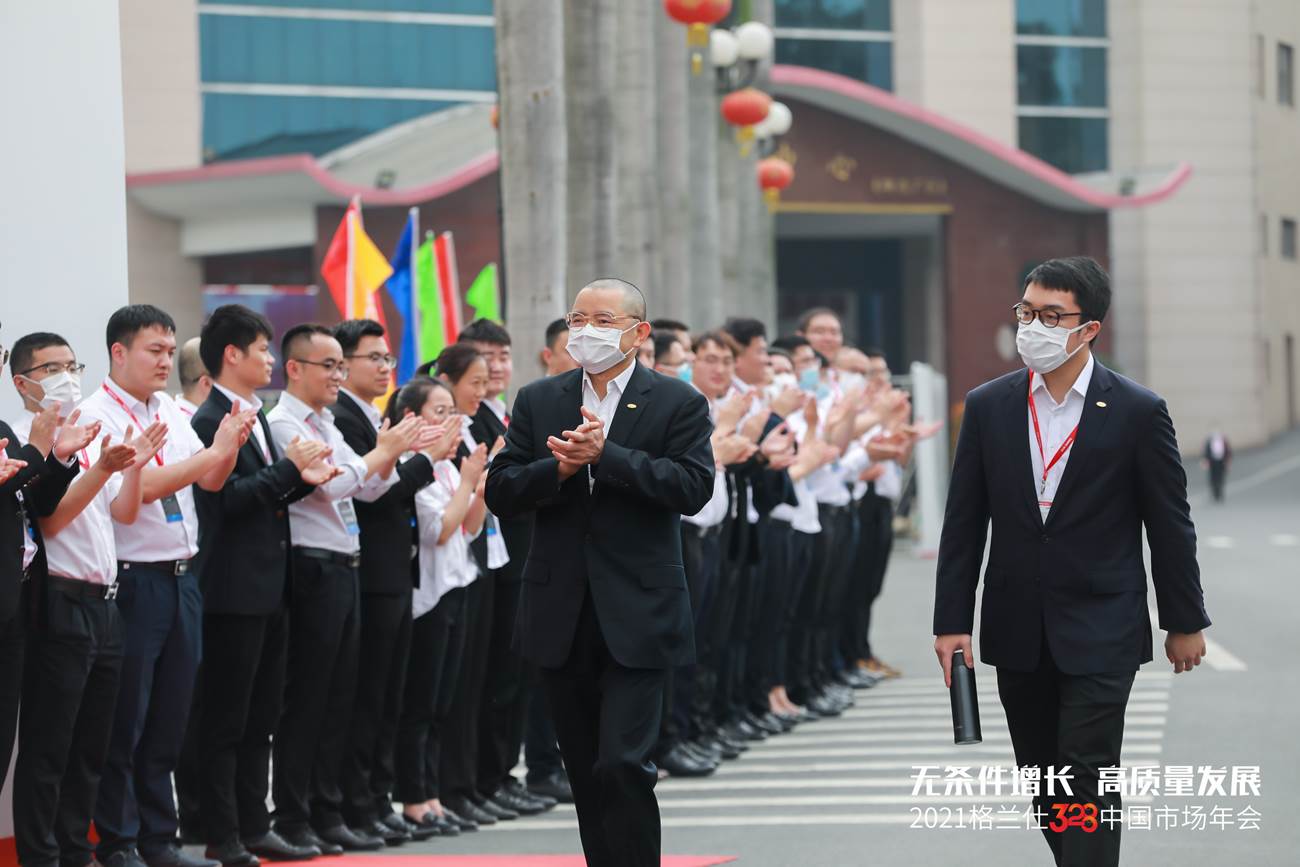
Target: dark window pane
[(834, 14), (1059, 75), (1288, 245), (1061, 17), (1072, 144), (872, 62), (463, 7), (1285, 74)]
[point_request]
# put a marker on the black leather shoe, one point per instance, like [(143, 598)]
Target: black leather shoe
[(738, 743), (419, 832), (350, 840), (546, 802), (272, 847), (232, 854), (823, 706), (175, 856), (749, 731), (428, 827), (698, 752), (723, 746), (390, 835), (496, 810), (679, 763), (769, 727), (456, 820), (555, 786), (123, 858), (467, 809), (523, 805), (306, 838)]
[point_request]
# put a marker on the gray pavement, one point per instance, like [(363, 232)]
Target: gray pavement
[(839, 791)]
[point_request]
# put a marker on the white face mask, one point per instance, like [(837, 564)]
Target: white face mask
[(851, 381), (597, 349), (783, 381), (62, 390), (1042, 348)]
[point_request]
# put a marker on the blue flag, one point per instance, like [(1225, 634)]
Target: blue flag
[(403, 291)]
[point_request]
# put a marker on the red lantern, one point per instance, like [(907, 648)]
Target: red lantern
[(774, 175), (698, 16), (743, 109)]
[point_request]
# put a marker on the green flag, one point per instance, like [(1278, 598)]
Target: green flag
[(484, 296), (428, 299)]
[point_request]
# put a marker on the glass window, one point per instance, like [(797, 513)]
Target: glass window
[(1061, 17), (1072, 144), (1061, 75), (872, 62), (1288, 245), (835, 14), (1285, 74)]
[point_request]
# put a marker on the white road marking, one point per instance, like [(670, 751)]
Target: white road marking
[(1284, 540), (1220, 542)]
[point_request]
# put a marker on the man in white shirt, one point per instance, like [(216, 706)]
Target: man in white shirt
[(324, 598), (74, 652), (159, 596)]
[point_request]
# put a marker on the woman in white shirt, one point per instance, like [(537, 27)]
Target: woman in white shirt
[(448, 514)]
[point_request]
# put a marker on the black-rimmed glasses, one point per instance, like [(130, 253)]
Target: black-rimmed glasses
[(1051, 318), (331, 366), (54, 368)]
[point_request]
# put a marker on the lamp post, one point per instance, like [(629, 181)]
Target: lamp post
[(737, 54)]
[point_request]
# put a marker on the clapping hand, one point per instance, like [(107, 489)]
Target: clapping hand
[(579, 447), (9, 467), (235, 429), (115, 458), (303, 453), (733, 409), (148, 443), (395, 439), (733, 449), (789, 400), (473, 465), (73, 437)]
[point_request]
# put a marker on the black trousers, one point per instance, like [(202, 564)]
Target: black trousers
[(810, 649), (458, 777), (311, 739), (162, 623), (801, 553), (242, 690), (1218, 475), (1059, 719), (607, 719), (541, 749), (876, 526), (368, 774), (725, 652), (74, 661), (778, 575), (12, 643), (437, 645), (701, 559), (505, 690)]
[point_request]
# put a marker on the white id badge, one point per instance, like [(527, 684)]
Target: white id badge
[(348, 514)]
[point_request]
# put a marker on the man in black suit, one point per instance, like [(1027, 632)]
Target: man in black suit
[(243, 562), (386, 585), (33, 478), (608, 457), (1069, 461)]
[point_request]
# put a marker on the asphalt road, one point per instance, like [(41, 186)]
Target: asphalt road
[(840, 791)]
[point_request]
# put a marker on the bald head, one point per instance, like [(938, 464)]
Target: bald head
[(622, 295), (195, 382)]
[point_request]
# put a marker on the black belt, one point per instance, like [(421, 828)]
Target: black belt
[(835, 510), (78, 587), (353, 560), (705, 532), (171, 567)]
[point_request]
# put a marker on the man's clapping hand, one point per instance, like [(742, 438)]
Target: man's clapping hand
[(73, 437), (394, 439), (472, 467), (234, 429), (733, 449), (303, 453), (9, 467), (580, 447), (115, 458), (148, 443), (733, 409)]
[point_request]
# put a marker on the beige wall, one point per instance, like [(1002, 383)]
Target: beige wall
[(1277, 195), (163, 122), (1186, 281), (958, 58)]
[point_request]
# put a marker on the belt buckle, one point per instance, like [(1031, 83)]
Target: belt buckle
[(110, 592), (182, 567), (354, 560)]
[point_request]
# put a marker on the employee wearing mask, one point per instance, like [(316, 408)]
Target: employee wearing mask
[(1070, 462)]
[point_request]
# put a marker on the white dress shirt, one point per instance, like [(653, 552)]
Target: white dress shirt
[(604, 409), (1055, 422), (255, 404), (802, 516), (84, 549), (185, 406), (325, 518), (152, 538), (442, 567), (498, 407), (715, 510)]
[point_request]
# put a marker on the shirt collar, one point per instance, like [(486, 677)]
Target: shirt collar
[(367, 407), (301, 411), (132, 403), (740, 385), (497, 405), (616, 385), (1081, 382), (255, 404)]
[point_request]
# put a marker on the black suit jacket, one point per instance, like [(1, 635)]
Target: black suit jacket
[(243, 560), (1081, 574), (516, 530), (622, 539), (42, 483), (385, 523)]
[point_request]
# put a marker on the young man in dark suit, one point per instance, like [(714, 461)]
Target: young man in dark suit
[(608, 458), (243, 562), (386, 585), (1069, 461)]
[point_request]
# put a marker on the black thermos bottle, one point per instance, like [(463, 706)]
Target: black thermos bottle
[(965, 703)]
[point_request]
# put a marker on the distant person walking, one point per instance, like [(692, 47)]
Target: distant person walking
[(1217, 456)]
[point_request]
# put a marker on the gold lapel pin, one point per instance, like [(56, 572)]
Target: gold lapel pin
[(631, 406), (1101, 403)]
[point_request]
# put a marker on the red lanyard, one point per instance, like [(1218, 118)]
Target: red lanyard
[(1060, 453), (139, 428)]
